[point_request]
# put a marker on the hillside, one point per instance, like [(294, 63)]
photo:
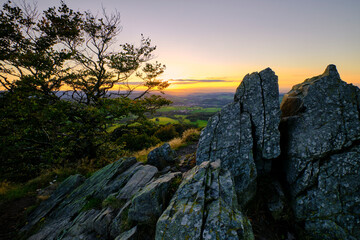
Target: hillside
[(260, 173)]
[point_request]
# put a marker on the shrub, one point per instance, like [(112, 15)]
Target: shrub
[(166, 133)]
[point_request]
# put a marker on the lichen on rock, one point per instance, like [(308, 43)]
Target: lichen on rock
[(321, 133), (204, 207)]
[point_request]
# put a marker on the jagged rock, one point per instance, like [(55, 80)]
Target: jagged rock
[(128, 235), (80, 226), (244, 130), (80, 214), (204, 207), (142, 176), (162, 156), (66, 187), (120, 220), (148, 204), (258, 95), (320, 135)]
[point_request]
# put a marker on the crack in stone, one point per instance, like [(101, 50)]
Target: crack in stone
[(264, 113)]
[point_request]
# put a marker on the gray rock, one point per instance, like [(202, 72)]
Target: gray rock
[(162, 156), (80, 226), (128, 235), (204, 207), (258, 95), (244, 135), (120, 221), (321, 129), (138, 180), (277, 201), (66, 187), (69, 212), (149, 203)]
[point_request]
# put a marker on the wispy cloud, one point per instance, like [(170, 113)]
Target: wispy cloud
[(182, 81), (193, 81)]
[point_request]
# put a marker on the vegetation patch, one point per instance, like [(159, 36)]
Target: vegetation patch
[(113, 202), (92, 203)]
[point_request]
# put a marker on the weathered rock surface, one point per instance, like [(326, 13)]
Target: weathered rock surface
[(162, 156), (76, 211), (55, 199), (320, 135), (277, 201), (258, 95), (128, 235), (244, 134), (149, 203), (138, 180), (204, 207)]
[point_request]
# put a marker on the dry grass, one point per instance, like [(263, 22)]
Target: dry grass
[(5, 186), (189, 135), (176, 143)]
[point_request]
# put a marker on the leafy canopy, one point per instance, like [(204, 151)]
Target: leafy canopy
[(40, 53)]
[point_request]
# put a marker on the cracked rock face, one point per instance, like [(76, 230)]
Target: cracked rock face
[(320, 135), (258, 95), (75, 210), (204, 207), (244, 135)]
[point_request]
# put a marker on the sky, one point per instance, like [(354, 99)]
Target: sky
[(210, 45)]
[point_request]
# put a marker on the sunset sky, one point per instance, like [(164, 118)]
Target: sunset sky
[(210, 45)]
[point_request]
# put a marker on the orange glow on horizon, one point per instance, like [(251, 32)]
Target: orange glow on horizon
[(287, 79)]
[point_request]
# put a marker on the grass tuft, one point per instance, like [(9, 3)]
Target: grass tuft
[(190, 135)]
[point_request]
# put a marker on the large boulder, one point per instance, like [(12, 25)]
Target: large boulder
[(258, 95), (204, 207), (321, 139), (149, 203), (244, 135), (162, 156)]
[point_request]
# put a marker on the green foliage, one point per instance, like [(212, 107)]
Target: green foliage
[(113, 202), (92, 203), (38, 129), (166, 133), (136, 137), (10, 191), (174, 185), (191, 135)]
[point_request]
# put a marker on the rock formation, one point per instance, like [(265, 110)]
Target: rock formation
[(244, 135), (239, 148), (204, 207), (162, 156), (321, 133), (99, 206)]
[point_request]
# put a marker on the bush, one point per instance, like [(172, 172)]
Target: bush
[(191, 135), (166, 133)]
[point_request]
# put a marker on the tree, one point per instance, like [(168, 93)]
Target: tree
[(98, 68), (31, 56), (40, 53)]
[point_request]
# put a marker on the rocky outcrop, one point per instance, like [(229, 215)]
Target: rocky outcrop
[(65, 188), (99, 205), (244, 135), (320, 135), (237, 159), (204, 207), (162, 156), (258, 95), (149, 203)]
